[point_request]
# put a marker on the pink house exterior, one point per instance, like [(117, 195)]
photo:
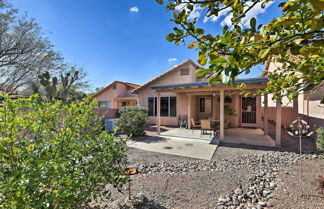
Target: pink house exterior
[(116, 94), (179, 94), (113, 96)]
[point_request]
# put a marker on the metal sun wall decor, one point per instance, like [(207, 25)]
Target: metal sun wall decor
[(299, 127)]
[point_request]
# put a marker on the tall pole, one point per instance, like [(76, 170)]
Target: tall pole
[(300, 146)]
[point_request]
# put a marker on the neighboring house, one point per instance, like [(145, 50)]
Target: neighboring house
[(116, 94), (307, 106), (179, 94)]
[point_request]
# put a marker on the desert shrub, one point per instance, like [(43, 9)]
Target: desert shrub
[(320, 139), (132, 120), (55, 155)]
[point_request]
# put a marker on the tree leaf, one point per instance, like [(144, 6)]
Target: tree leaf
[(202, 59), (192, 45), (235, 3), (253, 23), (201, 71), (219, 60), (264, 53), (298, 41), (159, 1), (286, 5), (214, 55)]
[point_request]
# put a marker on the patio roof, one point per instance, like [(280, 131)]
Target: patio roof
[(204, 84)]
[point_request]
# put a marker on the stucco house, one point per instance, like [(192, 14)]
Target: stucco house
[(179, 93), (116, 94)]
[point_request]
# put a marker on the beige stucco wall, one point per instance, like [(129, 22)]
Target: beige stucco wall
[(310, 107), (306, 106), (107, 95), (182, 99)]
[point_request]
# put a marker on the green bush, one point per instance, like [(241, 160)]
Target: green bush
[(320, 139), (54, 155), (132, 120)]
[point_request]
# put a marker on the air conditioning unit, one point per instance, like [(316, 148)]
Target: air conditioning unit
[(110, 125)]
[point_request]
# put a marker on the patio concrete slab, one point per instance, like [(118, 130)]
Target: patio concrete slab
[(248, 136), (186, 134), (182, 146)]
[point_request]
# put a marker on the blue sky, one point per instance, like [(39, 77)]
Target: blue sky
[(118, 39)]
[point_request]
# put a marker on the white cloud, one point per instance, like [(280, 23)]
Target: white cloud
[(172, 60), (195, 13), (214, 18), (254, 12), (134, 9)]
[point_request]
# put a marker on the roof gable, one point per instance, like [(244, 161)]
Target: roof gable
[(131, 85), (189, 61)]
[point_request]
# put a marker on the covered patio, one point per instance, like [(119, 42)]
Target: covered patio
[(248, 126), (251, 136)]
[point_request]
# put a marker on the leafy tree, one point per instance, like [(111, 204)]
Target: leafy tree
[(295, 40), (24, 52), (55, 155)]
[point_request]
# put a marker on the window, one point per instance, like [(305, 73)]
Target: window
[(173, 106), (104, 104), (168, 106), (205, 104), (164, 106), (184, 71), (122, 104), (152, 106), (114, 86)]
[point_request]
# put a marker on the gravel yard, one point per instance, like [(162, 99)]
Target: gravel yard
[(235, 178)]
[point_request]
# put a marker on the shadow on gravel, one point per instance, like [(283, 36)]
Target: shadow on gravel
[(247, 146), (148, 204), (289, 144)]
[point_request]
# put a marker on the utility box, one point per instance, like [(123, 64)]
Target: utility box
[(110, 125)]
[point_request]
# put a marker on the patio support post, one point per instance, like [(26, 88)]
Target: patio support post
[(278, 123), (221, 133), (158, 113), (189, 112), (258, 113), (265, 114), (214, 101)]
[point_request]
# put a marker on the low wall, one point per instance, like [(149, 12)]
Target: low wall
[(288, 115), (107, 113), (165, 121)]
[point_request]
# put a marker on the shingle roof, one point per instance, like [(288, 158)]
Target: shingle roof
[(167, 72), (131, 85), (202, 84)]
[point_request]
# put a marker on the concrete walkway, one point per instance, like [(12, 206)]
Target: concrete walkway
[(183, 145)]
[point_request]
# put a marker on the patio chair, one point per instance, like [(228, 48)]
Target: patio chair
[(216, 127), (194, 126), (206, 127)]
